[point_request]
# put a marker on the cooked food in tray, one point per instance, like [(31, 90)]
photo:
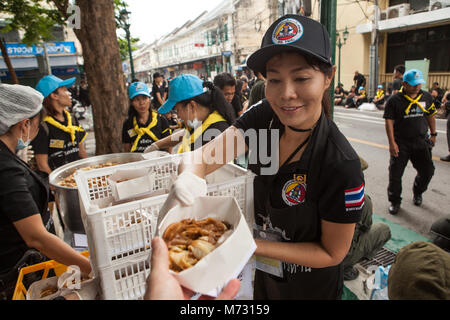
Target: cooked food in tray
[(190, 240), (48, 291), (70, 180)]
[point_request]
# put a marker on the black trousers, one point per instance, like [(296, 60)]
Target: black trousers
[(419, 152), (448, 131)]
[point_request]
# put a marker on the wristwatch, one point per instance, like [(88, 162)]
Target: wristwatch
[(433, 134)]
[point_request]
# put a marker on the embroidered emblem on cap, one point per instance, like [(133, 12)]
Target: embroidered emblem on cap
[(140, 86), (287, 31), (294, 191)]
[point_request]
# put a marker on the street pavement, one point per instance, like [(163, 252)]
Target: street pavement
[(365, 131)]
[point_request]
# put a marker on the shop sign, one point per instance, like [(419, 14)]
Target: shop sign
[(53, 48)]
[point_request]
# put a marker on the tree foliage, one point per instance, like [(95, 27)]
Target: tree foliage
[(35, 19)]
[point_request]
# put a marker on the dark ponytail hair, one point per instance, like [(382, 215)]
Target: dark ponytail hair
[(214, 99)]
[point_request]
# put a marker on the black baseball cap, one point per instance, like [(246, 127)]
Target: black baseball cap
[(292, 33)]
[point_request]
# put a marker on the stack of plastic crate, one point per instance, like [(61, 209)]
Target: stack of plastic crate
[(119, 236)]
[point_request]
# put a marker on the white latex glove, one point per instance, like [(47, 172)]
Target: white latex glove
[(153, 147), (88, 291), (26, 154), (184, 190)]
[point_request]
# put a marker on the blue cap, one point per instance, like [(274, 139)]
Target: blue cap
[(380, 86), (50, 83), (413, 77), (361, 88), (138, 88), (181, 88)]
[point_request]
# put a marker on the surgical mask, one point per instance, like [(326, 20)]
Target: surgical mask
[(193, 123), (21, 144)]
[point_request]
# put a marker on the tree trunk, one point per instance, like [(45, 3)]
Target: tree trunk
[(103, 67), (8, 63)]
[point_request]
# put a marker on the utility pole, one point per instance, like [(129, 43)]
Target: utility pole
[(328, 11), (373, 75)]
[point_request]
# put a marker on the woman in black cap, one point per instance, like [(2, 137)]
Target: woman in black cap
[(309, 196)]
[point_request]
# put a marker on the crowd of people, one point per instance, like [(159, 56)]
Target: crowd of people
[(314, 206)]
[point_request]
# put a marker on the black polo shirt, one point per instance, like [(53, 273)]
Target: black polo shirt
[(161, 130), (341, 174), (161, 89), (57, 144), (22, 195), (409, 124)]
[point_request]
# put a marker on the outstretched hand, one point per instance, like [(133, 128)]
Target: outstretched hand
[(162, 285)]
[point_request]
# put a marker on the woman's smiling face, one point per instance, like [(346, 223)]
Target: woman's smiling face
[(295, 89)]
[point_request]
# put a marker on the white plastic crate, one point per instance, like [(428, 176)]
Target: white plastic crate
[(126, 281), (116, 233)]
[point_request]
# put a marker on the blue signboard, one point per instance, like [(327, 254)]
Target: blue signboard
[(20, 49)]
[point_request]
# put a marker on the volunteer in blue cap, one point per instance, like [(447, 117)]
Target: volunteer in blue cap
[(378, 100), (60, 139), (361, 97), (408, 115), (308, 191), (27, 233), (203, 109), (143, 127)]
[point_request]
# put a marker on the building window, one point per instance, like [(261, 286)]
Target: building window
[(420, 44)]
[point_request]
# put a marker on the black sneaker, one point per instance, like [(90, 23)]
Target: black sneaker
[(447, 158), (417, 199), (394, 207), (350, 273)]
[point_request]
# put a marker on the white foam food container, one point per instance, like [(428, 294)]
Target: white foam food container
[(210, 274)]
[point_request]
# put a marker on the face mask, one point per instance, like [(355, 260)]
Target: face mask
[(193, 123), (21, 144)]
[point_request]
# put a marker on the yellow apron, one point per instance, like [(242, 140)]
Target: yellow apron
[(69, 128), (141, 131), (189, 139)]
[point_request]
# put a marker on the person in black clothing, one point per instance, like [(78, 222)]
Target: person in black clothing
[(159, 90), (27, 234), (83, 92), (143, 126), (60, 139), (439, 91), (446, 102), (398, 78), (227, 84), (359, 81), (408, 115), (309, 191), (203, 109), (339, 95), (351, 98), (245, 87)]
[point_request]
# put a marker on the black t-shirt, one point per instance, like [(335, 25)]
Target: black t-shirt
[(409, 124), (57, 144), (22, 195), (293, 212), (161, 89), (397, 84), (161, 130), (341, 169), (360, 80)]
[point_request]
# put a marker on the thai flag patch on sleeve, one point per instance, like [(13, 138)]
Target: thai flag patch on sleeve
[(354, 198)]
